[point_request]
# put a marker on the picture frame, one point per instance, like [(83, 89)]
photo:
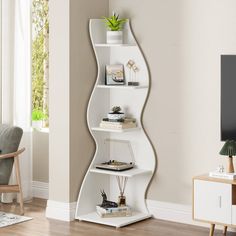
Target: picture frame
[(114, 75)]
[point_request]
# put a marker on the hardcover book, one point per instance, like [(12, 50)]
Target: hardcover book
[(222, 175), (114, 212)]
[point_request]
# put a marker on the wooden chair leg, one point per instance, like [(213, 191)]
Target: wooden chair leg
[(212, 229), (225, 230), (18, 179)]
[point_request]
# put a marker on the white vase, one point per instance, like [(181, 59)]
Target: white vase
[(114, 37), (37, 124)]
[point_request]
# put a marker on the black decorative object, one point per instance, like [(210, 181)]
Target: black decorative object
[(106, 203)]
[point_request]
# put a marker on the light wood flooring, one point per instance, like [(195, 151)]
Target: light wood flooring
[(41, 226)]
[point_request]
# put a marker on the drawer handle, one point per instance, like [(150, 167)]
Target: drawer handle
[(220, 201)]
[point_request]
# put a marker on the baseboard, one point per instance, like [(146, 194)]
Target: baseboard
[(27, 190), (40, 189), (171, 211), (61, 210), (176, 213)]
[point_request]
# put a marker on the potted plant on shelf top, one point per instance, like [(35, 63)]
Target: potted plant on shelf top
[(115, 26)]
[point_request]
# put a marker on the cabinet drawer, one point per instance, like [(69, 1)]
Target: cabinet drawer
[(212, 201)]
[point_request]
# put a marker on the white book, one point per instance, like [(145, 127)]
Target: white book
[(124, 126), (222, 175), (114, 212), (112, 209)]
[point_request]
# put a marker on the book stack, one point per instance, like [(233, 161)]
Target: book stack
[(126, 123), (114, 211), (222, 175)]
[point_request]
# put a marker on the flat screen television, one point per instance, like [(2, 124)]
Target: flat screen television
[(228, 97)]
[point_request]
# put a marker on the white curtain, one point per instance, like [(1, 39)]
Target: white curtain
[(16, 77)]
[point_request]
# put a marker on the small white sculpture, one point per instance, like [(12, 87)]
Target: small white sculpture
[(132, 66), (220, 169)]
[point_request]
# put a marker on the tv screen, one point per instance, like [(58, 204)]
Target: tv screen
[(228, 97)]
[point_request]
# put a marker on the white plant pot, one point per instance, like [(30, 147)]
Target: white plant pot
[(113, 116), (114, 37), (37, 124)]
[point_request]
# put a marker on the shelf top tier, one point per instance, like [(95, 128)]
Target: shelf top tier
[(125, 173), (99, 30)]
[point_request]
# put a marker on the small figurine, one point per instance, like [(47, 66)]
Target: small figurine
[(132, 66), (220, 169), (135, 69), (105, 202)]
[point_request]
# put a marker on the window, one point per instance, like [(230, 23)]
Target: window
[(40, 64)]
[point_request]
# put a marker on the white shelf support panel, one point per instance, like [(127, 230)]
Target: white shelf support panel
[(130, 184)]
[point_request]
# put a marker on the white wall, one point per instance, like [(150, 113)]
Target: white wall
[(72, 74), (40, 156), (59, 70), (182, 41)]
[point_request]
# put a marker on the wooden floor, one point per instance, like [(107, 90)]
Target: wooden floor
[(41, 226)]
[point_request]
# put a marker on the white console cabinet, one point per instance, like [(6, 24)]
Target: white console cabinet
[(214, 201)]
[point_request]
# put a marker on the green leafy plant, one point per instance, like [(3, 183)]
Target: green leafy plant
[(38, 115), (114, 23), (116, 110)]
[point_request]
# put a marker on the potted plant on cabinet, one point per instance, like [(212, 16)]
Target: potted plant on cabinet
[(115, 26), (37, 119)]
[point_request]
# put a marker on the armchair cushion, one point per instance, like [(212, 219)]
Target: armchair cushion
[(10, 138)]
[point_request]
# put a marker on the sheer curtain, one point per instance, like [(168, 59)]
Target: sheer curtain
[(16, 77)]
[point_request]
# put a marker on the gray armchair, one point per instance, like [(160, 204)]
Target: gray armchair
[(10, 138)]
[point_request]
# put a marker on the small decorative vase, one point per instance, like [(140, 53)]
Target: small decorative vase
[(37, 124), (122, 201), (114, 37)]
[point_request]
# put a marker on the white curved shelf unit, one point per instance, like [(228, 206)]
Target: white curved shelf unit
[(132, 100)]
